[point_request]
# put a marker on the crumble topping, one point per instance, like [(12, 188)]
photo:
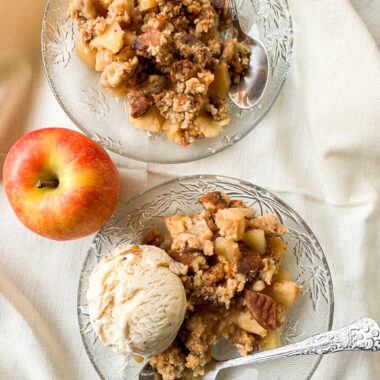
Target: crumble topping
[(235, 285), (166, 56)]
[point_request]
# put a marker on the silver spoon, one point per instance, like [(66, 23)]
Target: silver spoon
[(252, 85), (363, 334)]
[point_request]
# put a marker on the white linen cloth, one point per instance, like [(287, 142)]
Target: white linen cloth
[(318, 149)]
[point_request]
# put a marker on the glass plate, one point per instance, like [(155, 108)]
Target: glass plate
[(305, 260), (105, 119)]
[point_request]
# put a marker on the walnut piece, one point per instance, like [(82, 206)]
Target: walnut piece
[(139, 104), (183, 70), (191, 47), (262, 308), (190, 257), (150, 39), (153, 237), (214, 201), (214, 275), (251, 261)]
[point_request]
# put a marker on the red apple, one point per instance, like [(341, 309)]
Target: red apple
[(61, 184)]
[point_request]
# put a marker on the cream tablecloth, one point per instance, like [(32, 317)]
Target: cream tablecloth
[(318, 149)]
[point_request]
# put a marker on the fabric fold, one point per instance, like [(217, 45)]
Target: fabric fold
[(33, 341)]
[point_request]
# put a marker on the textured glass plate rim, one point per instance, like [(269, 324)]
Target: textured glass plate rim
[(163, 161), (195, 178)]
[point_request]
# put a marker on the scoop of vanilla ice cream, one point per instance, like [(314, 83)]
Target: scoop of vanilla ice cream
[(136, 300)]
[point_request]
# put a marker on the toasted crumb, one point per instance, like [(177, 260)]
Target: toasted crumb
[(270, 224), (116, 73)]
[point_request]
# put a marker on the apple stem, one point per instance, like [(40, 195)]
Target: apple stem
[(52, 184)]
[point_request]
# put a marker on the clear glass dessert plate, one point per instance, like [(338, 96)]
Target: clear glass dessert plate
[(105, 118), (306, 261)]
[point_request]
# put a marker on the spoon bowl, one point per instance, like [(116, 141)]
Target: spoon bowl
[(248, 92), (148, 373)]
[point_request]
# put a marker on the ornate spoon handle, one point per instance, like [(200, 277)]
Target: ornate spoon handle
[(363, 334)]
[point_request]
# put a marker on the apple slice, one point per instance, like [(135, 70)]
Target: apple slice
[(248, 323), (271, 340)]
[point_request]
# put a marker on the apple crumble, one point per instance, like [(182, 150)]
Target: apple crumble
[(167, 57), (236, 287)]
